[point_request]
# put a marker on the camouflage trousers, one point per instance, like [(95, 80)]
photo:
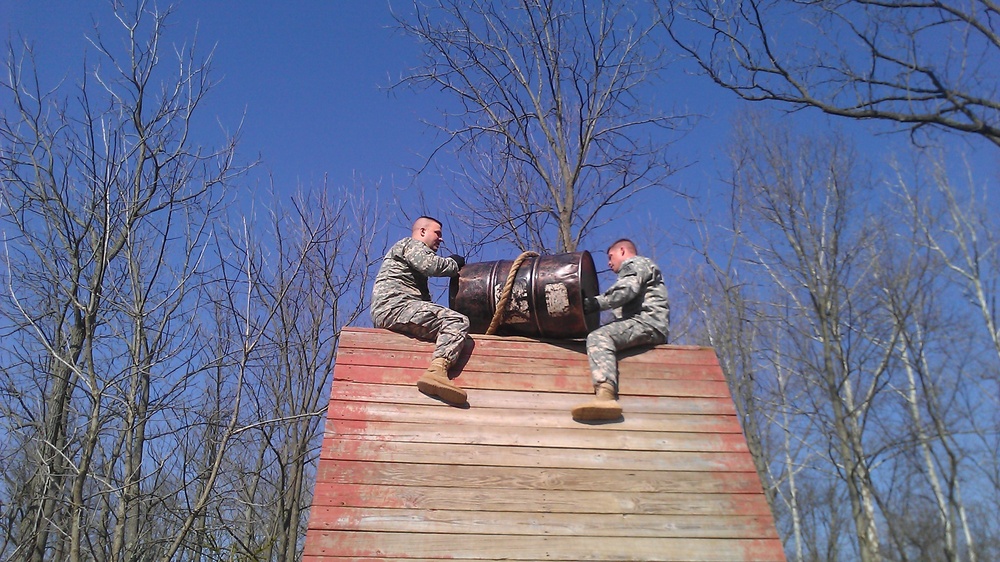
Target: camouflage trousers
[(432, 322), (604, 342)]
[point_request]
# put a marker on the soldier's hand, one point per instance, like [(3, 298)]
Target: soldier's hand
[(590, 304), (458, 259)]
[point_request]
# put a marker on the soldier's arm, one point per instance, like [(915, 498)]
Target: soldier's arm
[(429, 264), (627, 287)]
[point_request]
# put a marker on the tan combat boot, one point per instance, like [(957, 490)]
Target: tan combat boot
[(435, 382), (604, 407)]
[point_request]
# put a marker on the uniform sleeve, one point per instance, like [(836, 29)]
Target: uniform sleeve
[(626, 288), (427, 263)]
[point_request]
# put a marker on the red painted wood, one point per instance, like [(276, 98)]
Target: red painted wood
[(338, 471), (511, 475)]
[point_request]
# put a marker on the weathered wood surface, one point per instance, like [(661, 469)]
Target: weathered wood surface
[(511, 476)]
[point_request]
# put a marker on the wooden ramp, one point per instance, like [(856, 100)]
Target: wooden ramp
[(513, 477)]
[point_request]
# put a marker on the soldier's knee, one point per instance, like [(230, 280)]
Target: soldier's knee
[(457, 317), (598, 339), (455, 320)]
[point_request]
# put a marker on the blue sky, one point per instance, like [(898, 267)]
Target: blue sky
[(309, 75), (311, 78)]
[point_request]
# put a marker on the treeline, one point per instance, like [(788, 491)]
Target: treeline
[(851, 294), (854, 319), (166, 348)]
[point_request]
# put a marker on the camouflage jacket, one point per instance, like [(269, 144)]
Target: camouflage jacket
[(640, 293), (403, 277)]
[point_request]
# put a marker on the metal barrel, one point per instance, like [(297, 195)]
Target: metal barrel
[(546, 299)]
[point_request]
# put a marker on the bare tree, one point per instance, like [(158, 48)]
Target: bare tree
[(324, 242), (106, 203), (722, 302), (942, 353), (923, 64), (792, 451), (154, 334), (785, 312), (553, 126), (857, 351), (967, 244), (805, 231)]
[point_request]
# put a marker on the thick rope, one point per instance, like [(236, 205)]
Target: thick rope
[(505, 293)]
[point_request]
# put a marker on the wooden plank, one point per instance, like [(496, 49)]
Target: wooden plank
[(494, 547), (545, 365), (354, 336), (515, 478), (407, 363), (639, 358), (467, 434), (516, 401), (507, 378), (327, 558), (549, 524), (649, 362), (533, 457), (548, 501), (435, 414), (513, 346)]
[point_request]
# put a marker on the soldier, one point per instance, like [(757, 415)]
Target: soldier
[(645, 320), (401, 302)]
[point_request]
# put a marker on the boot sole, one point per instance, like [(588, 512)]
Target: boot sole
[(450, 394), (597, 412)]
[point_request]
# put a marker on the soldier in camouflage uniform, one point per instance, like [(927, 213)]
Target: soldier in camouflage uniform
[(645, 320), (401, 302)]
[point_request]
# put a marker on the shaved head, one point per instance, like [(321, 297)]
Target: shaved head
[(425, 222), (620, 251), (428, 230), (624, 243)]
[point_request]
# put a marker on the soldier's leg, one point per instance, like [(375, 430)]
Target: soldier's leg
[(604, 372), (604, 343), (601, 355), (430, 321), (453, 328), (419, 319), (433, 322)]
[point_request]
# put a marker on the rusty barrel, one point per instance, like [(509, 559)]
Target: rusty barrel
[(546, 299)]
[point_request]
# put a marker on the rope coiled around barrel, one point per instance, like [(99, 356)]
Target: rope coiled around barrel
[(508, 287)]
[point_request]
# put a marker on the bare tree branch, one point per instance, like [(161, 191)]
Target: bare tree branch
[(553, 130), (922, 64)]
